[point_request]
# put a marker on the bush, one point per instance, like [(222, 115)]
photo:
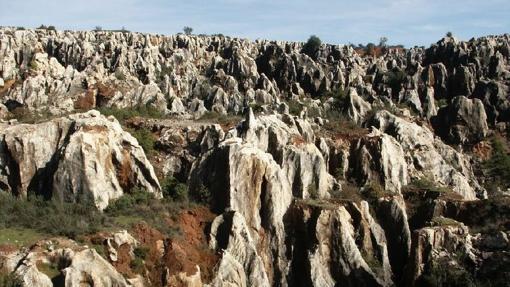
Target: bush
[(137, 265), (311, 47), (142, 206), (221, 119), (174, 189), (145, 139), (50, 217), (374, 190), (203, 195), (370, 49), (498, 166), (10, 280), (295, 107), (122, 115), (141, 252), (187, 30), (313, 191)]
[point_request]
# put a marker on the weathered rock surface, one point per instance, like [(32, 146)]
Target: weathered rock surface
[(80, 157)]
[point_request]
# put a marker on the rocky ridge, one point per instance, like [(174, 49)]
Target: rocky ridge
[(324, 183)]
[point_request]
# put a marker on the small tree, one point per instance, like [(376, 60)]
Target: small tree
[(312, 46), (187, 30), (42, 27), (383, 41), (370, 48), (449, 34), (98, 28)]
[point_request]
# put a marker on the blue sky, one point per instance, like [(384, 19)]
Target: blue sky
[(408, 22)]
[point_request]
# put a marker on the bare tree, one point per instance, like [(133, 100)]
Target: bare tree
[(187, 30)]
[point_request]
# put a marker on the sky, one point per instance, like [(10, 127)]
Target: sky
[(407, 22)]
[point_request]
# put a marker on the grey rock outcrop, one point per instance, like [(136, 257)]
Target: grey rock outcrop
[(81, 157)]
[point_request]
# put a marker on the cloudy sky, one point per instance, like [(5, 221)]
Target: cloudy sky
[(408, 22)]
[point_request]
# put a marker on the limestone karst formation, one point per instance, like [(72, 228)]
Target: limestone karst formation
[(335, 170)]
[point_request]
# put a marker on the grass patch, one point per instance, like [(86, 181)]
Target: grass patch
[(10, 280), (498, 166), (125, 114), (222, 119), (19, 236), (23, 222), (145, 139), (444, 221), (51, 270)]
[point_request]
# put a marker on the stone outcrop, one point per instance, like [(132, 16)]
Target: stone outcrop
[(75, 264), (82, 157), (463, 122)]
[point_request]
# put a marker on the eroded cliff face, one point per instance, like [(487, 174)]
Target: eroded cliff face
[(79, 158), (345, 171)]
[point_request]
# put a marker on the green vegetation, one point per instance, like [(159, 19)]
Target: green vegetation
[(295, 107), (203, 195), (441, 103), (145, 139), (187, 30), (498, 166), (374, 190), (51, 270), (443, 274), (142, 206), (425, 184), (120, 75), (444, 221), (370, 49), (10, 280), (127, 113), (311, 47), (138, 263), (313, 191), (24, 115), (174, 189), (19, 236), (47, 217), (222, 119), (23, 222)]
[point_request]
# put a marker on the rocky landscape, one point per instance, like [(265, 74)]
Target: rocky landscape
[(150, 160)]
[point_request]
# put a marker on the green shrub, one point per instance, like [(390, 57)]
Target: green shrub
[(498, 166), (137, 265), (203, 195), (141, 252), (442, 274), (142, 206), (295, 107), (311, 47), (124, 114), (50, 217), (374, 190), (426, 184), (145, 139), (120, 76), (222, 119), (174, 189), (10, 280), (313, 191)]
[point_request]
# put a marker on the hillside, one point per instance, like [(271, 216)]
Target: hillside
[(131, 159)]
